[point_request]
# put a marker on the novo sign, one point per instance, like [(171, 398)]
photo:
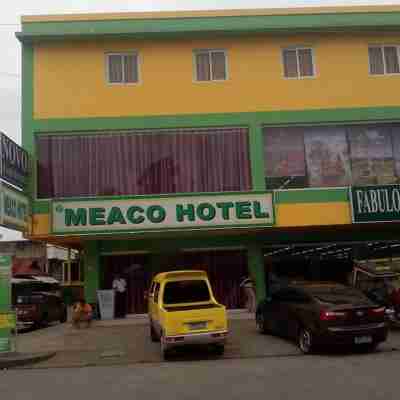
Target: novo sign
[(139, 214), (375, 203), (14, 162)]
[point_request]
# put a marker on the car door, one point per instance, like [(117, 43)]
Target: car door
[(155, 312), (273, 309)]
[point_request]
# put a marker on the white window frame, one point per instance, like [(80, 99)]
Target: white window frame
[(209, 52), (297, 48), (382, 46), (123, 53)]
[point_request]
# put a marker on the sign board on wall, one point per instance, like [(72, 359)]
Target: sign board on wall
[(14, 162), (163, 213), (14, 208), (375, 203)]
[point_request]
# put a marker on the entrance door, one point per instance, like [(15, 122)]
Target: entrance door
[(133, 269)]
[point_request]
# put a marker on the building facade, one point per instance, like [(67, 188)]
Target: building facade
[(209, 139)]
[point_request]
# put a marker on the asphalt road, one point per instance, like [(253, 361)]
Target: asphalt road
[(327, 377)]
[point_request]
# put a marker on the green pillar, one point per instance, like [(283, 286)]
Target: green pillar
[(256, 142), (255, 261), (91, 254)]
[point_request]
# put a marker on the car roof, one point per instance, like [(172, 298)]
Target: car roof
[(182, 274)]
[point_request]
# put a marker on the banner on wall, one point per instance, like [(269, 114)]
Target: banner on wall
[(372, 155), (164, 213), (375, 203), (327, 157)]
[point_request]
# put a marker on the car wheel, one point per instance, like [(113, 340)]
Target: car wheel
[(305, 341), (153, 335), (219, 349), (165, 353), (260, 323)]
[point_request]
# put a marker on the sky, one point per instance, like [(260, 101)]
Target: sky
[(10, 64)]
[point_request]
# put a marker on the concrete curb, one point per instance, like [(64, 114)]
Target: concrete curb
[(13, 360)]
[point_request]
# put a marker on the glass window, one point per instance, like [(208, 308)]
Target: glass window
[(210, 65), (144, 162), (383, 60), (298, 62), (371, 155), (285, 165), (122, 68), (191, 291), (327, 157)]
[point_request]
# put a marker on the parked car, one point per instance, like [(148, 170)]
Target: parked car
[(37, 302), (183, 311), (380, 282), (322, 314)]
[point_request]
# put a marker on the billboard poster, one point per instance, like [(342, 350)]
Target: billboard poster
[(14, 162), (372, 155), (327, 156), (284, 152)]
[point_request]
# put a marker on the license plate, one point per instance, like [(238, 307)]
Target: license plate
[(197, 325), (363, 339)]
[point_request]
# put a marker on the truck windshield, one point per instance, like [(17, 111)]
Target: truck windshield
[(192, 291)]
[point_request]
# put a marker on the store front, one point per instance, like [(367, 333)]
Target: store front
[(225, 268)]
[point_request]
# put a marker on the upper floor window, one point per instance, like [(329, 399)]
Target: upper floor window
[(383, 60), (298, 62), (210, 65), (122, 68)]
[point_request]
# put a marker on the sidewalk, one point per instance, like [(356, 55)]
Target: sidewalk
[(128, 341)]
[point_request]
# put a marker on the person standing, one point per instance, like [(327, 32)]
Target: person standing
[(119, 287)]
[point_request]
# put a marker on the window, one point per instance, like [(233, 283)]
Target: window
[(210, 65), (331, 156), (122, 68), (298, 62), (383, 60), (192, 291), (144, 162)]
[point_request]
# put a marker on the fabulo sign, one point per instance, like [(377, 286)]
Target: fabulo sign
[(194, 212)]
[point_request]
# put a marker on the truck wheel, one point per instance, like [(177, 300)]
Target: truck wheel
[(153, 335)]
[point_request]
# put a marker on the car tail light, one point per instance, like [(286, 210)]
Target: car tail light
[(377, 312), (331, 315)]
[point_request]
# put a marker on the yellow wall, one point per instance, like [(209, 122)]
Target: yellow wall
[(69, 78), (312, 214)]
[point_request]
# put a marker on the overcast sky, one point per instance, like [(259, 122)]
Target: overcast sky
[(11, 61)]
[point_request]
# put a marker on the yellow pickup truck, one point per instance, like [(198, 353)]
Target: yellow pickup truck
[(182, 310)]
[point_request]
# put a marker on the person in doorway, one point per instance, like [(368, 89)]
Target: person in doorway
[(249, 290), (119, 287), (81, 312)]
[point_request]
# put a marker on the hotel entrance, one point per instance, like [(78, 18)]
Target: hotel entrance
[(225, 268)]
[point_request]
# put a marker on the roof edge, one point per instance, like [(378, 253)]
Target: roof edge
[(208, 13)]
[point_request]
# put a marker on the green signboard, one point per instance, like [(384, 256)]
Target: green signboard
[(7, 322), (208, 211), (375, 203), (14, 208)]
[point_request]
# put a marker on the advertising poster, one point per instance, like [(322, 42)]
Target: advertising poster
[(284, 156), (327, 157), (371, 155), (6, 318), (395, 130)]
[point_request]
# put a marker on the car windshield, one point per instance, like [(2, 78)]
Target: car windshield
[(337, 295), (190, 291)]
